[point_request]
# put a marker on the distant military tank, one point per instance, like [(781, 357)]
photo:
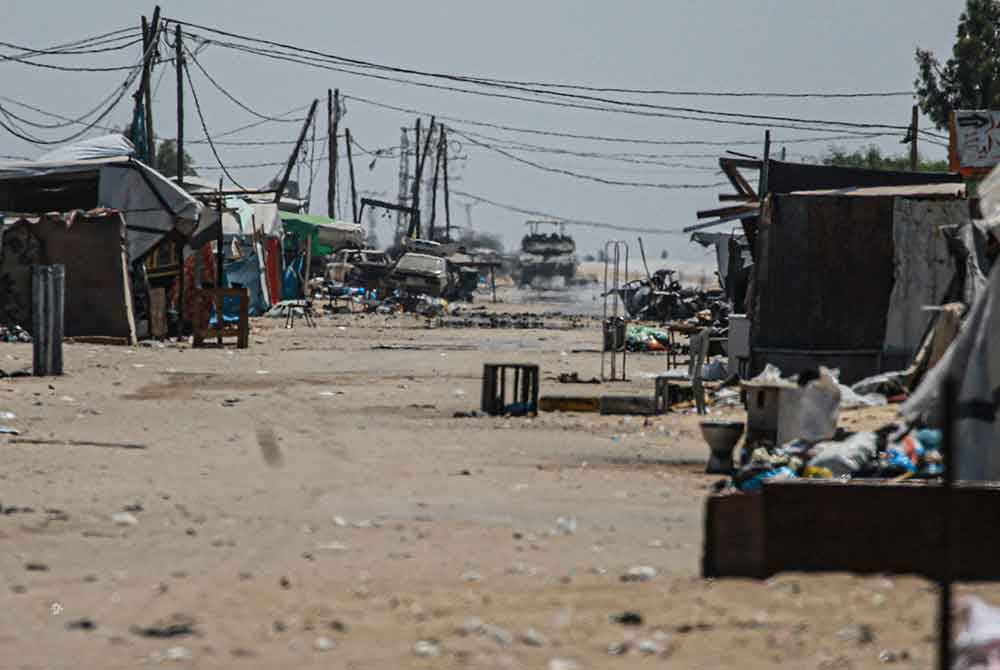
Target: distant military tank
[(547, 256)]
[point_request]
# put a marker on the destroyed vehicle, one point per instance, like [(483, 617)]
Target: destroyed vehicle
[(358, 267), (420, 273)]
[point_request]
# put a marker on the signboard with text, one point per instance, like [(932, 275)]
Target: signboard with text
[(975, 141)]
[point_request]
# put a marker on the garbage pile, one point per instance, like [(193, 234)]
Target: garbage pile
[(662, 298), (804, 441), (14, 333)]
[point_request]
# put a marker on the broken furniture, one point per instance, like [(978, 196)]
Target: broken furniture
[(722, 437), (523, 387), (209, 303), (614, 326), (307, 313)]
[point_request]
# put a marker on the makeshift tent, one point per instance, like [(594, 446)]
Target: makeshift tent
[(91, 246), (150, 203), (326, 234)]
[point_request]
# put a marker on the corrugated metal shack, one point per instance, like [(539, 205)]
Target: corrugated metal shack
[(845, 259), (842, 276)]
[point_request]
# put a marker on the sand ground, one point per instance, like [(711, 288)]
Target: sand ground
[(313, 502)]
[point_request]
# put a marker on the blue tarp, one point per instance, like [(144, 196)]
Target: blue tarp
[(245, 272)]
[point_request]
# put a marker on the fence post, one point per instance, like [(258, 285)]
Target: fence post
[(47, 288)]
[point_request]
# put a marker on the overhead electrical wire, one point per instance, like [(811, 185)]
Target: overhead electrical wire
[(204, 127), (621, 106), (746, 120), (239, 129), (233, 98), (578, 175), (563, 219), (605, 138)]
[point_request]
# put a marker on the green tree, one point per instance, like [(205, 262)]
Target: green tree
[(166, 160), (970, 79), (873, 159)]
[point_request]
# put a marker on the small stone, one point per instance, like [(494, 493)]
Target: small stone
[(36, 566), (650, 647), (124, 519), (323, 644), (619, 648), (19, 588), (134, 507), (279, 626), (562, 664), (427, 648), (285, 583), (81, 624), (471, 576), (565, 526), (533, 638), (857, 634), (627, 618), (499, 635), (639, 573), (177, 654), (472, 626)]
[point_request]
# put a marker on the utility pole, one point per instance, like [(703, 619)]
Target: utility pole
[(350, 165), (414, 230), (295, 153), (150, 34), (913, 138), (332, 121), (404, 178), (434, 183), (179, 64), (447, 203), (765, 167)]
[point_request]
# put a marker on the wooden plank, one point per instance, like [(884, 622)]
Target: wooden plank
[(862, 526), (158, 313), (569, 404), (628, 404)]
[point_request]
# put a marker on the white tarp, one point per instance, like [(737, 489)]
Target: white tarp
[(105, 146), (152, 205), (976, 138), (923, 267), (973, 362)]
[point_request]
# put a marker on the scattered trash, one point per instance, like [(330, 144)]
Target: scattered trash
[(7, 430), (857, 634), (177, 654), (178, 625), (124, 519), (627, 618), (323, 644), (427, 648), (36, 566), (639, 573), (565, 526), (81, 624), (562, 664), (533, 638), (650, 647)]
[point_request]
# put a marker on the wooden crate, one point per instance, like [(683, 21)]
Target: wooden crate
[(862, 526), (204, 300)]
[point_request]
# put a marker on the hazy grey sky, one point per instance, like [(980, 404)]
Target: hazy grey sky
[(784, 45)]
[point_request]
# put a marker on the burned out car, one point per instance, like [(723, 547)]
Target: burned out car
[(358, 267), (420, 273)]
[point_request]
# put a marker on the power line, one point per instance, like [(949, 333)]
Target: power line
[(605, 138), (233, 98), (204, 127), (572, 221), (521, 86), (600, 180), (746, 120)]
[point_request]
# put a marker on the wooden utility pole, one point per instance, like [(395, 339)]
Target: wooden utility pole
[(447, 203), (350, 166), (915, 118), (179, 64), (295, 152), (414, 230), (333, 122), (150, 34), (765, 167), (434, 184)]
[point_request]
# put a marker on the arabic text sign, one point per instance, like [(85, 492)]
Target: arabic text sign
[(975, 139)]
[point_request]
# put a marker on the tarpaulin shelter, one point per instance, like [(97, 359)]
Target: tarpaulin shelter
[(92, 247), (326, 235), (151, 204)]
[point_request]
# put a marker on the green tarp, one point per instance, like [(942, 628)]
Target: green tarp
[(326, 234)]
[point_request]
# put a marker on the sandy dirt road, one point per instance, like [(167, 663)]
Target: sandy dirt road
[(312, 502)]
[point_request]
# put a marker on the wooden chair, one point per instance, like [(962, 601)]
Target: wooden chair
[(204, 301)]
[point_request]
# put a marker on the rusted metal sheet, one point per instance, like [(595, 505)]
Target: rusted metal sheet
[(823, 277)]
